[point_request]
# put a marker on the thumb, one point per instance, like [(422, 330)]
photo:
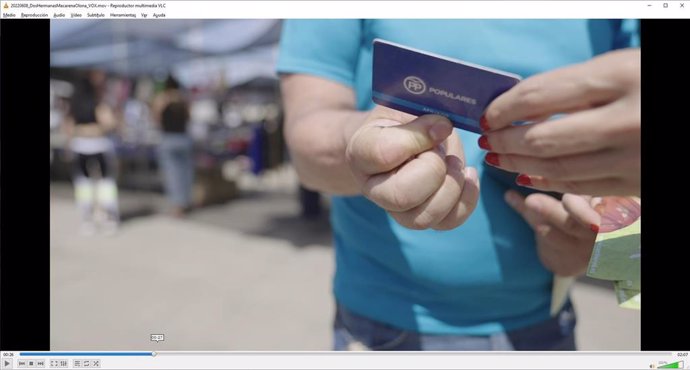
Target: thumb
[(423, 132), (528, 212), (386, 144), (428, 129), (580, 210), (516, 201)]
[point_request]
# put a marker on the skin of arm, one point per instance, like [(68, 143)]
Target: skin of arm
[(320, 117), (157, 105), (106, 118)]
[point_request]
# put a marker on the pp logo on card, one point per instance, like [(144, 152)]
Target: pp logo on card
[(415, 85), (418, 83)]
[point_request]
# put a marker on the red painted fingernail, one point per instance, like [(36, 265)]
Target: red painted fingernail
[(524, 180), (484, 124), (484, 143), (492, 159), (594, 228)]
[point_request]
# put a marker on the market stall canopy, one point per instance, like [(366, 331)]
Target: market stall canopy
[(136, 47)]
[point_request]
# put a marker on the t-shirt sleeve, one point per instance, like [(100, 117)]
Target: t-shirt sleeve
[(322, 48), (628, 35)]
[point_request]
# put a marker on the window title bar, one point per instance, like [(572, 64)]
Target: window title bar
[(183, 9)]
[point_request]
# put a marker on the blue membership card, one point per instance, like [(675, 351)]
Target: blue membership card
[(418, 83)]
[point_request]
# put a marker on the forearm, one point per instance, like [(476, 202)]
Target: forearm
[(106, 118), (317, 143)]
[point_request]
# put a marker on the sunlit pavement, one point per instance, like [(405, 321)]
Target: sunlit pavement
[(246, 275)]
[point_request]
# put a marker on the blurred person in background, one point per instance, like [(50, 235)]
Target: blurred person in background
[(136, 112), (176, 148), (485, 282), (88, 123)]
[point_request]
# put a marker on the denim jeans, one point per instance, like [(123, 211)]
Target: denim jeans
[(176, 160), (353, 332)]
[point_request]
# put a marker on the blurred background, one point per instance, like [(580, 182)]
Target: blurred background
[(174, 209)]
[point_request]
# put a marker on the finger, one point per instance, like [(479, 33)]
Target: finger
[(579, 208), (551, 211), (580, 167), (563, 136), (600, 187), (384, 146), (437, 207), (560, 91), (408, 186), (454, 145), (561, 253), (468, 202), (517, 202)]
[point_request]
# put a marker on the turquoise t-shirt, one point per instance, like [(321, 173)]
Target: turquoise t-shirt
[(484, 276)]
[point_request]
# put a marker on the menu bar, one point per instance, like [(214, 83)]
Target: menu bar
[(99, 9)]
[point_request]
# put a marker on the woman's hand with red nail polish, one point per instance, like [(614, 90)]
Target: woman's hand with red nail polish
[(594, 148), (563, 229)]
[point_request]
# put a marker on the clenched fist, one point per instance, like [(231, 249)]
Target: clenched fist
[(414, 168)]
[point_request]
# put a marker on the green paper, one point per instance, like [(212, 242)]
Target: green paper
[(616, 255), (628, 298), (628, 284)]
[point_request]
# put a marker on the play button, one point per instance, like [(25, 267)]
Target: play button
[(6, 364)]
